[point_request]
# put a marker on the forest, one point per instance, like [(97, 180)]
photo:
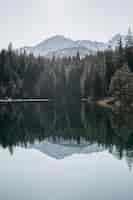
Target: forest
[(27, 76)]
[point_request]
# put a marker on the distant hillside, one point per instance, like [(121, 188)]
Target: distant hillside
[(59, 46)]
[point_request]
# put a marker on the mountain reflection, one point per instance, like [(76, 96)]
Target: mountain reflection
[(66, 124)]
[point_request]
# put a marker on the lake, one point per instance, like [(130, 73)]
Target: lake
[(59, 151)]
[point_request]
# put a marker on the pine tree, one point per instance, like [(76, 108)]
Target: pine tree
[(129, 39), (110, 69), (129, 50), (120, 60)]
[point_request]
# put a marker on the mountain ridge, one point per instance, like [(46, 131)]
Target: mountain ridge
[(60, 46)]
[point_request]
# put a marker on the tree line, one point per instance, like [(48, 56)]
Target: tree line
[(68, 78)]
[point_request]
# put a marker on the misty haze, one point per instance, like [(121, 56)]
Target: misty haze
[(66, 100)]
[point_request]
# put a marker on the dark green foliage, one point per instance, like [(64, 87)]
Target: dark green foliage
[(25, 76), (129, 57), (129, 50), (110, 68), (120, 54)]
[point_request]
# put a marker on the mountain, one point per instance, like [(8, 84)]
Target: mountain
[(59, 46), (51, 45), (93, 46)]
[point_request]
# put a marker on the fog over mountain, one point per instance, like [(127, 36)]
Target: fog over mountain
[(59, 46)]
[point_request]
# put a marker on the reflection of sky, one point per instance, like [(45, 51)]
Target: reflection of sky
[(29, 174), (27, 22)]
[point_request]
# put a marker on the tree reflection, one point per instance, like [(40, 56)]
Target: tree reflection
[(23, 124)]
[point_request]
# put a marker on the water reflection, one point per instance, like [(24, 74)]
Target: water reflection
[(68, 128)]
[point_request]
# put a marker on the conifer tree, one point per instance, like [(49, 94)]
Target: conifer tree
[(129, 50), (120, 58)]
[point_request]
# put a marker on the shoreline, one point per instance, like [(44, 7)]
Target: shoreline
[(22, 100), (107, 102)]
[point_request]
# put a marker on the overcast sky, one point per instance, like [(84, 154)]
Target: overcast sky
[(27, 22)]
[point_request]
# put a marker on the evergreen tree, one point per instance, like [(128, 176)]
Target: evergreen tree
[(110, 69), (120, 60), (129, 50)]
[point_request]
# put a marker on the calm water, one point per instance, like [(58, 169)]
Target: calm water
[(65, 152)]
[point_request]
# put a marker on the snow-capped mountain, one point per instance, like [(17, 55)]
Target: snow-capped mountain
[(51, 45), (59, 46), (92, 46)]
